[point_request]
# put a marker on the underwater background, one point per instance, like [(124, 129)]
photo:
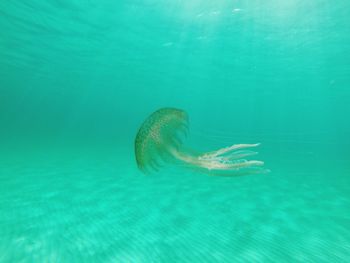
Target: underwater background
[(78, 78)]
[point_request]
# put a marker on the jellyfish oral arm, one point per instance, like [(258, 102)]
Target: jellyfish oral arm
[(229, 149), (223, 159)]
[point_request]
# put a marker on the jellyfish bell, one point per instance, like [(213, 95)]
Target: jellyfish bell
[(159, 140), (158, 137)]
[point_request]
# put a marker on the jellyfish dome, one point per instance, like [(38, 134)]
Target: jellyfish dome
[(159, 140)]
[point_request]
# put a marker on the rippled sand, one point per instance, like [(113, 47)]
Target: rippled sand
[(89, 208)]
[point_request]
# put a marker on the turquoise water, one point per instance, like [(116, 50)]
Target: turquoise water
[(77, 79)]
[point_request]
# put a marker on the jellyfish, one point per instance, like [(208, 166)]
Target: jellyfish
[(159, 141)]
